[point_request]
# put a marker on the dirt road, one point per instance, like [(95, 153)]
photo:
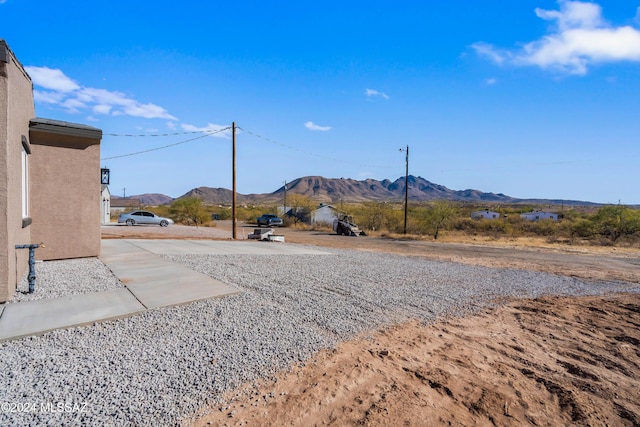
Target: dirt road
[(606, 263)]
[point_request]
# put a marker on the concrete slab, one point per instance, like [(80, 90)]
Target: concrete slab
[(157, 282), (170, 293), (117, 249), (151, 282), (37, 317)]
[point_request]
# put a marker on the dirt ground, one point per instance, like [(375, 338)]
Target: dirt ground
[(544, 362)]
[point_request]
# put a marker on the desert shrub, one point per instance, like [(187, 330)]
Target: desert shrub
[(189, 210), (564, 228), (545, 227), (251, 213), (373, 216), (629, 240), (613, 222), (583, 228), (223, 213), (431, 219), (392, 221), (468, 225), (162, 210), (493, 226)]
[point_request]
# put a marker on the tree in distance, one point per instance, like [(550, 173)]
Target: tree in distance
[(189, 210)]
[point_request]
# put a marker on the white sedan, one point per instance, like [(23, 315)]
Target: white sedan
[(143, 217)]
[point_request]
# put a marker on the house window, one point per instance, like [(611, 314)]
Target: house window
[(26, 150)]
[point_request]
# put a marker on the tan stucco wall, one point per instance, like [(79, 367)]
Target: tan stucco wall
[(16, 109), (65, 172)]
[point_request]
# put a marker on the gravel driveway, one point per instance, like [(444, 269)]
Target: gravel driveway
[(162, 366)]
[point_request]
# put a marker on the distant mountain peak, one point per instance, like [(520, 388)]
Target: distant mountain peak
[(149, 199), (335, 190)]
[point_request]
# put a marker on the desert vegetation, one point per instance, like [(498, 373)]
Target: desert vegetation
[(605, 225)]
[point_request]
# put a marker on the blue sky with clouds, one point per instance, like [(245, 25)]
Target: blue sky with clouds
[(530, 98)]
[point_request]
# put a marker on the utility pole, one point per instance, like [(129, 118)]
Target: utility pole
[(406, 187), (233, 200), (124, 193), (284, 209)]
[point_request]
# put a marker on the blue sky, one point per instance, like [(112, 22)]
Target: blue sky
[(530, 98)]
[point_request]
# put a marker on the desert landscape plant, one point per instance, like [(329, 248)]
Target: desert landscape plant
[(188, 211)]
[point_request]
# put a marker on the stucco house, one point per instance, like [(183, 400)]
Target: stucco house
[(539, 215), (485, 214), (43, 161)]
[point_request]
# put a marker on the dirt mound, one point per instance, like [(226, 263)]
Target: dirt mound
[(549, 361)]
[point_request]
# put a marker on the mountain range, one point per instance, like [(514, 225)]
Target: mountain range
[(334, 190)]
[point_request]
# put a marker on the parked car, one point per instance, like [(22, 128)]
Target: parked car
[(269, 220), (143, 217)]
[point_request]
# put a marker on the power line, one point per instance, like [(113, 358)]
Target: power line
[(289, 147), (155, 134), (164, 146)]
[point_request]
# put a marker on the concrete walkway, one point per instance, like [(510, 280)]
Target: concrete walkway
[(150, 282)]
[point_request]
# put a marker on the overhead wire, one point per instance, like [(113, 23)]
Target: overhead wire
[(208, 133), (157, 134)]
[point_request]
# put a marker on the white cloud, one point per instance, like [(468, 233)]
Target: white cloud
[(61, 91), (313, 126), (53, 79), (374, 93), (214, 129), (574, 14), (102, 109), (579, 39), (490, 81), (47, 97), (490, 52)]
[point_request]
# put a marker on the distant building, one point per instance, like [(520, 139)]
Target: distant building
[(105, 207), (125, 205), (485, 214), (325, 214), (539, 215), (284, 211)]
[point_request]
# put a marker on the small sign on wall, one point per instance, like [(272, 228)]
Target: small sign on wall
[(104, 176)]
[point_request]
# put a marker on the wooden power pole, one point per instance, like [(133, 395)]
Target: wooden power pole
[(233, 168), (406, 187)]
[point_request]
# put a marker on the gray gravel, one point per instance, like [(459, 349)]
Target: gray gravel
[(69, 277), (162, 366)]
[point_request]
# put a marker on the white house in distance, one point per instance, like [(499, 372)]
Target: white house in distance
[(105, 207), (539, 215), (485, 214), (325, 214)]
